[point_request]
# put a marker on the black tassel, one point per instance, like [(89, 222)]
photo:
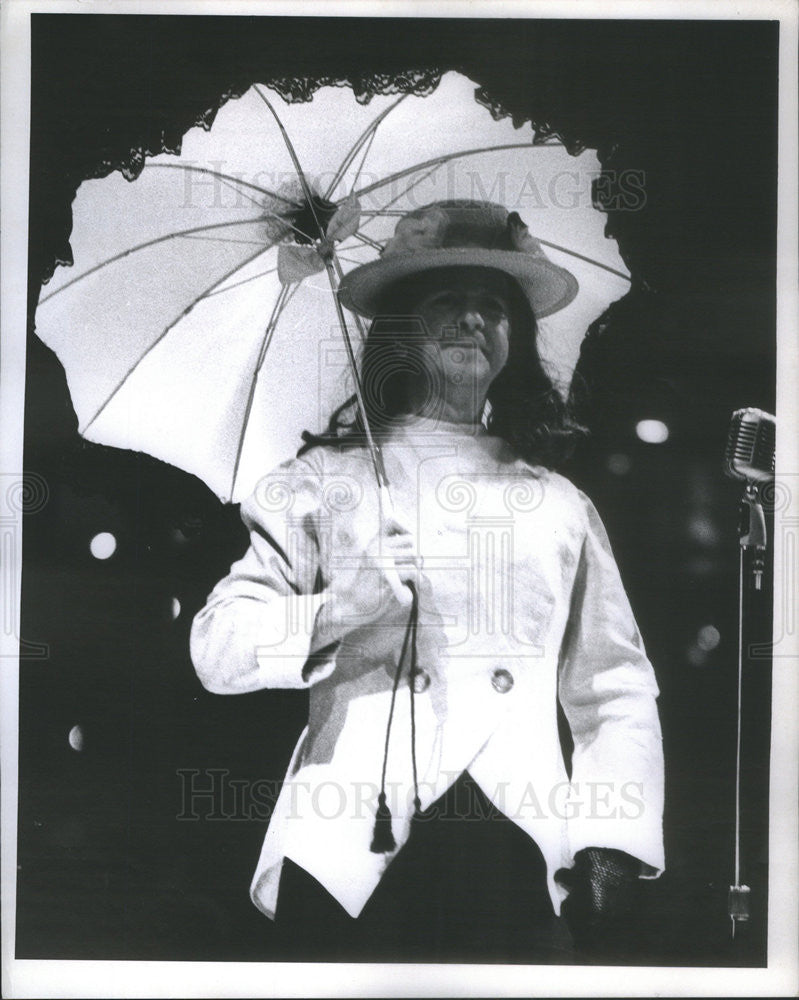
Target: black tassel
[(383, 837)]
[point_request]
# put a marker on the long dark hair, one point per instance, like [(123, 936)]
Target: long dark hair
[(525, 408)]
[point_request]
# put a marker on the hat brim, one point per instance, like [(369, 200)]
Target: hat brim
[(546, 286)]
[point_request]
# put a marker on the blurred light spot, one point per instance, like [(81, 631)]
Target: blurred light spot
[(652, 431), (103, 546), (708, 637), (175, 608), (76, 738), (702, 529), (619, 464), (178, 537), (696, 656)]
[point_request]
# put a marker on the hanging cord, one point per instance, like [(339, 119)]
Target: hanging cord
[(413, 623), (383, 837)]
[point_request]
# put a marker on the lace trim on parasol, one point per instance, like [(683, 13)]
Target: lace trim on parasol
[(417, 82)]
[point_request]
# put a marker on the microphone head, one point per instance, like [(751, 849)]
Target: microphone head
[(750, 447)]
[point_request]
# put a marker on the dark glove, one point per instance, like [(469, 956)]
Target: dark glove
[(602, 890)]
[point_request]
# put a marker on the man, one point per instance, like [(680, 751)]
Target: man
[(428, 812)]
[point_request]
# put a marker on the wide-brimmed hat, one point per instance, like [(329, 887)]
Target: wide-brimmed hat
[(461, 234)]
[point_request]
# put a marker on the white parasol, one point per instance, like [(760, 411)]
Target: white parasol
[(195, 327)]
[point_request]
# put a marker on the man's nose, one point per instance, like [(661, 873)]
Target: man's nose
[(471, 320)]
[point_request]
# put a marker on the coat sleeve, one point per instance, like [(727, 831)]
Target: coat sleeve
[(256, 628), (608, 692)]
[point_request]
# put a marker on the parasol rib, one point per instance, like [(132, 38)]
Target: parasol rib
[(391, 213), (350, 260), (163, 239), (216, 239), (283, 299), (588, 260), (367, 134), (290, 202), (184, 312), (438, 161), (419, 180), (244, 281), (367, 241), (362, 164)]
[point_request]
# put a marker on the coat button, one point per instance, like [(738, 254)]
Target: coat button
[(502, 681), (421, 681)]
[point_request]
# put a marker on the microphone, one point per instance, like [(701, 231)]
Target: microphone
[(749, 455), (750, 446)]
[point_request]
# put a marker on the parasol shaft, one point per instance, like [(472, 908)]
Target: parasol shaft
[(358, 322), (371, 444)]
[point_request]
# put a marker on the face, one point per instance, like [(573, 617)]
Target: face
[(467, 327)]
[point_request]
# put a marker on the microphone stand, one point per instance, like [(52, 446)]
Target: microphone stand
[(752, 542)]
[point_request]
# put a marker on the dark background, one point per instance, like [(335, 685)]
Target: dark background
[(106, 868)]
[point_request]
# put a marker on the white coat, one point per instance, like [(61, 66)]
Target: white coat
[(521, 605)]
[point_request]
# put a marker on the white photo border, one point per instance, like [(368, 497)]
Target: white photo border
[(28, 978)]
